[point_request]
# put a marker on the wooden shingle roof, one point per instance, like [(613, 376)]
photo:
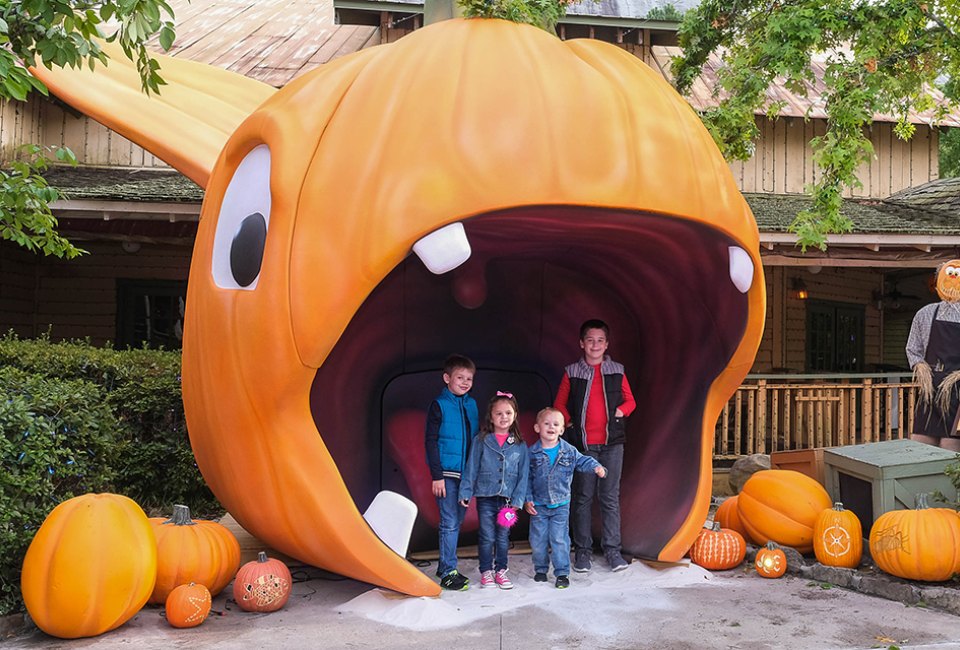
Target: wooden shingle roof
[(701, 95), (269, 40)]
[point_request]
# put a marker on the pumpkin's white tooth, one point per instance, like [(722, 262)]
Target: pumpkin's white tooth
[(741, 269), (444, 249)]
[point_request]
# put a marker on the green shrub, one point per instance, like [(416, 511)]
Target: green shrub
[(57, 440), (101, 420)]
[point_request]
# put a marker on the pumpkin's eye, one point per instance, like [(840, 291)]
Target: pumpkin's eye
[(951, 272), (243, 223)]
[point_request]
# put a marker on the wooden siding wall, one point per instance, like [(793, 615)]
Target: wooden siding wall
[(77, 298), (92, 143), (787, 316), (783, 162), (19, 124)]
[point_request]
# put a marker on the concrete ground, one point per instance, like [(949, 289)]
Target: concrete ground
[(668, 607)]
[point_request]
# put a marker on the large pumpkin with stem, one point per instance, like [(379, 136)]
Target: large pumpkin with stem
[(920, 544), (188, 550), (838, 537), (453, 144), (781, 505), (90, 567)]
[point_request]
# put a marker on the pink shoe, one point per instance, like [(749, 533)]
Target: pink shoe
[(502, 580), (486, 579)]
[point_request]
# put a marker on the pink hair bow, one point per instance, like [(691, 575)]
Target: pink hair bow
[(502, 394)]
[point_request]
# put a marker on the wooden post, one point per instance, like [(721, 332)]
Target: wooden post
[(762, 416), (867, 426)]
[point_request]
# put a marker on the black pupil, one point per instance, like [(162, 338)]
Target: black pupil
[(246, 251)]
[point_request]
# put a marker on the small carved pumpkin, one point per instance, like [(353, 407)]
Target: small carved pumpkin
[(728, 517), (771, 561), (718, 548), (838, 537), (90, 567), (921, 544), (188, 605), (192, 551), (262, 585), (782, 505)]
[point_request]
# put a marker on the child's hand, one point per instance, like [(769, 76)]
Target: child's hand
[(439, 488), (529, 508), (600, 471), (465, 502)]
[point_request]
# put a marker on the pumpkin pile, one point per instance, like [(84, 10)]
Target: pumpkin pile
[(97, 560)]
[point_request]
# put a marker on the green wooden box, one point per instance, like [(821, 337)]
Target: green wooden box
[(878, 477)]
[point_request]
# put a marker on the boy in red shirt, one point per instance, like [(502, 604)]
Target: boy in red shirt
[(595, 399)]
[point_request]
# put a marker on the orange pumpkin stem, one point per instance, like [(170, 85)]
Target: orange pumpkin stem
[(838, 506)]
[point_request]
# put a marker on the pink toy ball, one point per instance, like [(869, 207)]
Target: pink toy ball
[(507, 516)]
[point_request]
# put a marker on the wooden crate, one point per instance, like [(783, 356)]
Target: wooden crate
[(805, 461), (878, 477)]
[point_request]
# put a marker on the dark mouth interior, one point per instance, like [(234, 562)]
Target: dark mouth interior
[(515, 308)]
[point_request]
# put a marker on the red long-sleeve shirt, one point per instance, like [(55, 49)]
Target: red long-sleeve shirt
[(596, 416)]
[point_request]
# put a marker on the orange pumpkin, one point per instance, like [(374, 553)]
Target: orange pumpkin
[(262, 585), (921, 544), (718, 548), (838, 537), (90, 567), (188, 605), (948, 281), (728, 517), (771, 561), (315, 201), (192, 551), (782, 505)]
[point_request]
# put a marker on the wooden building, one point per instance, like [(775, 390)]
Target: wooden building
[(847, 310)]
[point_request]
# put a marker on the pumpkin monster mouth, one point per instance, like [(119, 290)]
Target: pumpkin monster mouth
[(662, 283)]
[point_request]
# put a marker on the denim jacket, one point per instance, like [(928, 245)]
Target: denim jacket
[(550, 484), (493, 470)]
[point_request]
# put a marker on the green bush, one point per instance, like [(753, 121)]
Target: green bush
[(77, 419), (57, 440)]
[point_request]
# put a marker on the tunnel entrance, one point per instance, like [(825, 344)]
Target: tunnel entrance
[(515, 308)]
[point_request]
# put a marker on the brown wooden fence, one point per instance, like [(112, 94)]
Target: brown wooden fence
[(778, 413)]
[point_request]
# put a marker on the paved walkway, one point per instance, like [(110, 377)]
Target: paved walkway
[(677, 607)]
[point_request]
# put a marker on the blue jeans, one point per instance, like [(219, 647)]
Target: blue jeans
[(549, 527), (494, 540), (451, 516)]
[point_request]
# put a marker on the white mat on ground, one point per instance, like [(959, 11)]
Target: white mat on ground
[(601, 591)]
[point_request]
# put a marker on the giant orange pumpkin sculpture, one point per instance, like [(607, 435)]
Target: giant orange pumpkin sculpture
[(569, 177)]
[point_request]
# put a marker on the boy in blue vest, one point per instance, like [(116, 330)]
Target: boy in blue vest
[(452, 423), (595, 400)]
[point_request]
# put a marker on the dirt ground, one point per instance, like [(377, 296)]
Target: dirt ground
[(668, 607)]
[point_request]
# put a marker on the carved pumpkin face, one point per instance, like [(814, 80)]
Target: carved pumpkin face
[(948, 281), (574, 182)]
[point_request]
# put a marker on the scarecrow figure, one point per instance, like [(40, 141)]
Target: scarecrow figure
[(933, 351)]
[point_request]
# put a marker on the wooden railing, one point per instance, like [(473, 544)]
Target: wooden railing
[(783, 412)]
